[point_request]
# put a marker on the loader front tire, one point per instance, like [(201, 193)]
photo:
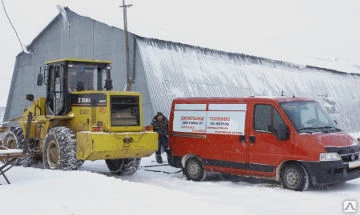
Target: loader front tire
[(127, 166), (60, 150)]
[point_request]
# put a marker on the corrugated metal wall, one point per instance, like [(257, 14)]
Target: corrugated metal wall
[(86, 38), (177, 70), (165, 70)]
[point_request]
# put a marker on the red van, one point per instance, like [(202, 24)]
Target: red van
[(292, 140)]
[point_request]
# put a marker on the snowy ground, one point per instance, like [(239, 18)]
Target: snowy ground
[(93, 190)]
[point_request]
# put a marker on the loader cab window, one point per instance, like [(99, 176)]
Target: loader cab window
[(267, 119), (86, 77)]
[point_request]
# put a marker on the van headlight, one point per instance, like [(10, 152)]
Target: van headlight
[(333, 156)]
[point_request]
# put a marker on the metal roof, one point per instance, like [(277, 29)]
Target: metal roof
[(175, 70)]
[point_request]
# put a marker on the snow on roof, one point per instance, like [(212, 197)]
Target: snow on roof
[(337, 65), (176, 70)]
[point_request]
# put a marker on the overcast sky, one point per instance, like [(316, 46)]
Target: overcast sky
[(281, 29)]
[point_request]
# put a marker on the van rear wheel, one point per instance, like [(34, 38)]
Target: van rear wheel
[(295, 177), (194, 170)]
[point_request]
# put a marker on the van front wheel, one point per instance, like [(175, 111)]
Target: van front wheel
[(295, 177), (194, 170)]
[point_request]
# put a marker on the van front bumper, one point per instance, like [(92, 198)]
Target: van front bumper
[(331, 172)]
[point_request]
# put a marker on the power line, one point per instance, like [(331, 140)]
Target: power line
[(13, 27)]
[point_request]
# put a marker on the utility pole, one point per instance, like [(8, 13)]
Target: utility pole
[(128, 79)]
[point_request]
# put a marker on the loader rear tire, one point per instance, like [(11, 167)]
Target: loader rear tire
[(14, 139), (127, 166), (60, 150)]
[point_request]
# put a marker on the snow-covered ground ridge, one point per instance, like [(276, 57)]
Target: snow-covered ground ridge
[(93, 190)]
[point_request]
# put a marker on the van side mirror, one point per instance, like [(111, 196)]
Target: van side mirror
[(40, 79), (282, 132), (335, 122)]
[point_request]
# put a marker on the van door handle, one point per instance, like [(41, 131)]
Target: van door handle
[(242, 138), (252, 139)]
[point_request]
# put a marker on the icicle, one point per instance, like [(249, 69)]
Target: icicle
[(63, 13)]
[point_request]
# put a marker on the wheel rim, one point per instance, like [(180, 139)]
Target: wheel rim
[(11, 143), (194, 169), (292, 178), (52, 154)]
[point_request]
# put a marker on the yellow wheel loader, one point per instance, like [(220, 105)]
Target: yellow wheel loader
[(82, 119)]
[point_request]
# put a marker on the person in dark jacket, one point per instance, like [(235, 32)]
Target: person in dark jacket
[(161, 125)]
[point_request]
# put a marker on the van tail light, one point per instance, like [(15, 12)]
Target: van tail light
[(149, 128)]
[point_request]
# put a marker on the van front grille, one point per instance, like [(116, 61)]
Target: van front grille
[(347, 154), (350, 157)]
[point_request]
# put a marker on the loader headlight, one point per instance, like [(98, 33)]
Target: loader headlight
[(332, 156)]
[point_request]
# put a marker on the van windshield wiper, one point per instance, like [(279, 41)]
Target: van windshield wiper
[(323, 129), (304, 129), (329, 127)]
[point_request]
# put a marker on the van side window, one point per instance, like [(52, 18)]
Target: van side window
[(267, 119), (278, 121), (262, 118)]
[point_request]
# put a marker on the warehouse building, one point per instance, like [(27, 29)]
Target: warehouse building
[(163, 70)]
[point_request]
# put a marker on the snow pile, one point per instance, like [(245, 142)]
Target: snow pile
[(355, 135), (5, 151), (38, 191), (81, 192)]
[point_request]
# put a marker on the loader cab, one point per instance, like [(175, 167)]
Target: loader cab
[(65, 76)]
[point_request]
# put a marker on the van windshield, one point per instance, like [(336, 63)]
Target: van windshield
[(308, 117)]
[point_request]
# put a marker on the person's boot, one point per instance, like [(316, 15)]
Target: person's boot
[(158, 158), (169, 157)]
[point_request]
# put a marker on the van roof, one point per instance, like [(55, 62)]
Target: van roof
[(240, 99)]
